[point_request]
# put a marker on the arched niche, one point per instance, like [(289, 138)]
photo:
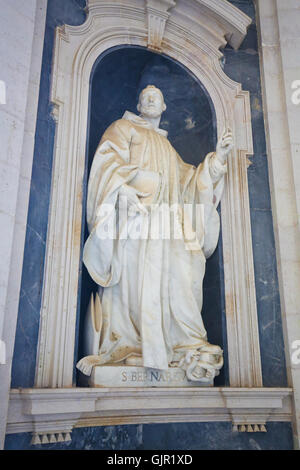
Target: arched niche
[(117, 77), (190, 32)]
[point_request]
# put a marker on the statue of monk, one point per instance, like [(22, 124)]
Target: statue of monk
[(149, 271)]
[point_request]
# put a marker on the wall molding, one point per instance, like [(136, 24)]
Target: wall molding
[(51, 415), (157, 15)]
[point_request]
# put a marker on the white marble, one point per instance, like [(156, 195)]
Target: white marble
[(151, 308), (157, 15), (132, 376)]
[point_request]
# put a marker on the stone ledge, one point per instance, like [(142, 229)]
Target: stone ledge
[(48, 412)]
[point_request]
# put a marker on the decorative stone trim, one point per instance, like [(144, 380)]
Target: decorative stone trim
[(52, 438), (157, 11), (52, 414), (249, 428)]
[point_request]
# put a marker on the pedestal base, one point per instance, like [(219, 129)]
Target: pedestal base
[(133, 376)]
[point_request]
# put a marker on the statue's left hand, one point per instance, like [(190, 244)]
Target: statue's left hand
[(224, 146)]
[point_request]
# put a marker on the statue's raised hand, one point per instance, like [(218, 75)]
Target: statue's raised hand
[(224, 145)]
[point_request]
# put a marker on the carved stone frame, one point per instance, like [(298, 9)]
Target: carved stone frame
[(191, 33), (76, 50)]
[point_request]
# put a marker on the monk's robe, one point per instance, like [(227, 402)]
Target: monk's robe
[(152, 296)]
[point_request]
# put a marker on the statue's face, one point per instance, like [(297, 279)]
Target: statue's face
[(151, 103)]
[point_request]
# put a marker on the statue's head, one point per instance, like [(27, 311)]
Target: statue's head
[(151, 102)]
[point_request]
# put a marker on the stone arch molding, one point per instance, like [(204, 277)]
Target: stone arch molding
[(192, 32)]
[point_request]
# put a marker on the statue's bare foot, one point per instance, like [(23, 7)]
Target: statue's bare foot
[(134, 361), (86, 364)]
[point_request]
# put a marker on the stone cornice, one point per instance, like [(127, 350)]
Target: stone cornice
[(51, 414)]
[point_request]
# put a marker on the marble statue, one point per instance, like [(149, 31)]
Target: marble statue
[(149, 268)]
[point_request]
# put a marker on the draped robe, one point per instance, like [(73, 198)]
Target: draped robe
[(152, 296)]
